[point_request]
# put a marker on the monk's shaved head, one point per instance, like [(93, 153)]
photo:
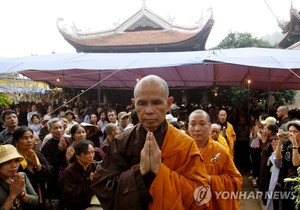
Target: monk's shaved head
[(200, 112), (215, 126), (152, 101), (152, 80)]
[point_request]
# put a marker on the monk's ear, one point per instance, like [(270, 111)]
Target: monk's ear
[(170, 101), (133, 101)]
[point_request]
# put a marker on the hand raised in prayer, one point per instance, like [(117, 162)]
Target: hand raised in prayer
[(70, 153), (155, 154), (17, 185), (31, 157), (145, 157), (62, 145)]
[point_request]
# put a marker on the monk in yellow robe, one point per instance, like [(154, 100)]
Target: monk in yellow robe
[(229, 133), (215, 134), (152, 165), (225, 179)]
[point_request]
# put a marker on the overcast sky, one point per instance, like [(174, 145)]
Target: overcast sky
[(29, 27)]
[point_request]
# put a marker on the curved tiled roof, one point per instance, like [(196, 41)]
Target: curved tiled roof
[(134, 38), (143, 32), (291, 29)]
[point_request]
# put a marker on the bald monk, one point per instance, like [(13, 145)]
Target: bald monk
[(229, 134), (215, 135), (222, 173), (152, 165), (111, 130)]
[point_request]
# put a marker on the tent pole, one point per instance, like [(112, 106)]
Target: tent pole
[(99, 90), (269, 92), (99, 93)]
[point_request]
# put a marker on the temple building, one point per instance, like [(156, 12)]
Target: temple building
[(291, 40), (144, 31), (291, 29)]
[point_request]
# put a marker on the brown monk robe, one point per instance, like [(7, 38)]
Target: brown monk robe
[(180, 173), (152, 165)]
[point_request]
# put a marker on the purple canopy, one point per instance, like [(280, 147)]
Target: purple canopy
[(268, 69)]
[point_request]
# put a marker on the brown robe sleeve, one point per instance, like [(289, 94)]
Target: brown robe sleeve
[(118, 184)]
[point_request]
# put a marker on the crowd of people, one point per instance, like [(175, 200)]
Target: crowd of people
[(151, 154)]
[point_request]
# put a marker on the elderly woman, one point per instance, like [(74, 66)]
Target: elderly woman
[(34, 164), (288, 152), (16, 191), (77, 177)]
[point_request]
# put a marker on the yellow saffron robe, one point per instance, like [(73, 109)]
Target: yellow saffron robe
[(224, 176), (223, 141), (231, 138), (180, 173)]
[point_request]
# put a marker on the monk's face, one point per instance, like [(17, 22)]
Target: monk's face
[(222, 116), (151, 103), (199, 127), (215, 132)]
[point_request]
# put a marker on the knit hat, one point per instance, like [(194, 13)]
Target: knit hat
[(9, 152)]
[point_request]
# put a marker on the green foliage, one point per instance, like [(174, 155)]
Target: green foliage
[(235, 96), (4, 100), (240, 96), (283, 97), (297, 197), (240, 40), (296, 188)]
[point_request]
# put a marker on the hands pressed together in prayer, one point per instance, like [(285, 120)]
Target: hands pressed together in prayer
[(150, 155), (62, 145), (17, 185), (32, 161), (70, 153)]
